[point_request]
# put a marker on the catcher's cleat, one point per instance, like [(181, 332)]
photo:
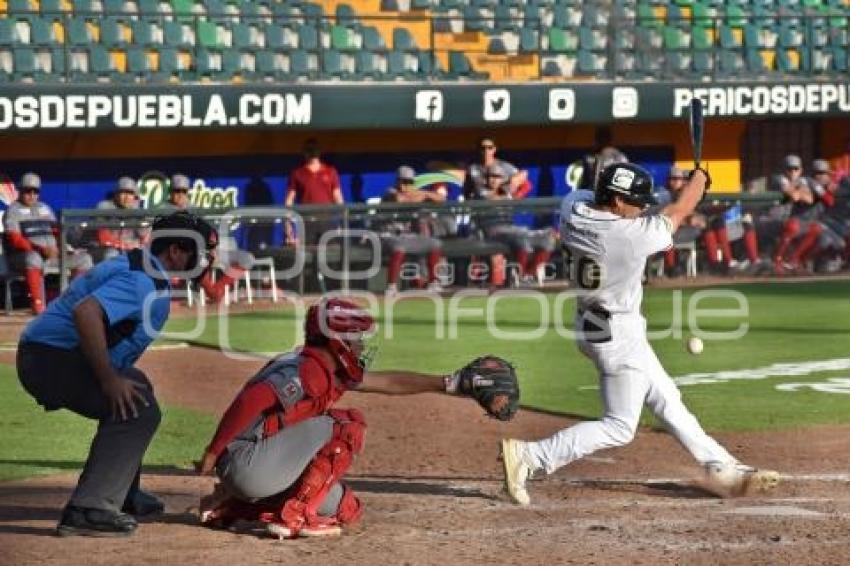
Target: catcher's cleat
[(738, 480), (517, 470)]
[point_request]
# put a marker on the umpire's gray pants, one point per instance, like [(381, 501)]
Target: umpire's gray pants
[(256, 469), (63, 379)]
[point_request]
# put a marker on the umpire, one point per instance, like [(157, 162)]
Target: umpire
[(79, 355)]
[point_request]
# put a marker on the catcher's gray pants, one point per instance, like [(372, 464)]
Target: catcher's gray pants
[(63, 379), (521, 238), (630, 376), (75, 261), (256, 469)]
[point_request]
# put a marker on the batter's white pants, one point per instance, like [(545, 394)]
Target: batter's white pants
[(630, 376)]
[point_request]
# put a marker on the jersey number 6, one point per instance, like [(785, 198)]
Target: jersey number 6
[(585, 272)]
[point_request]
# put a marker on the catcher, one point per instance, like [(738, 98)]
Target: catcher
[(282, 447)]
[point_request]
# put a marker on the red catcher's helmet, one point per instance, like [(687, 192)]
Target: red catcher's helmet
[(341, 324)]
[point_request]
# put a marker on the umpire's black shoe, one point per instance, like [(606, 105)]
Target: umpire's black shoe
[(142, 504), (90, 522)]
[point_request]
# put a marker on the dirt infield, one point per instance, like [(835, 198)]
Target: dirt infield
[(431, 485)]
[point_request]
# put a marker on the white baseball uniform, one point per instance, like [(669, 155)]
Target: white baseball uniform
[(607, 256)]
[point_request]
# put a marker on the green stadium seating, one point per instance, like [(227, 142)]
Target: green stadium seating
[(703, 62), (99, 61), (24, 58), (366, 65), (701, 38), (402, 39), (207, 34), (149, 8), (561, 40), (41, 32), (113, 7), (372, 40), (341, 38), (242, 36), (755, 62), (58, 61), (50, 7), (137, 61), (528, 41), (175, 35), (397, 65), (302, 65), (728, 39), (111, 32), (21, 7), (143, 33), (8, 35), (308, 37), (77, 32)]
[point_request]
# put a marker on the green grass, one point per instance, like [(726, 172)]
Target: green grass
[(787, 323), (35, 442)]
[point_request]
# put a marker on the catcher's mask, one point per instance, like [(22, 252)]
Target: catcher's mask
[(188, 232), (341, 326)]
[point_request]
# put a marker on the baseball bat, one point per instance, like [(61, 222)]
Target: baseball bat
[(696, 123)]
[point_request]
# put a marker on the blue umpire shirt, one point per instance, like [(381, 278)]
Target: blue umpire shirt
[(135, 304)]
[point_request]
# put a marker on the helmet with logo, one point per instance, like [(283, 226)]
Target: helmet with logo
[(185, 230), (340, 326), (630, 182)]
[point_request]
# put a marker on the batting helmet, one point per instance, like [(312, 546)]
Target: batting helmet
[(628, 181), (340, 325)]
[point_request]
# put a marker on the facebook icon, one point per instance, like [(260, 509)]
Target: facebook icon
[(429, 105)]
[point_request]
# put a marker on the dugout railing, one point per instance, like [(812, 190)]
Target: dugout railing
[(351, 243)]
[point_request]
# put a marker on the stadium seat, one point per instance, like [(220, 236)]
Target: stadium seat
[(592, 40), (78, 32), (177, 34), (427, 65), (503, 19), (332, 65), (58, 62), (460, 67), (701, 37), (372, 40), (590, 63), (367, 65), (137, 61), (563, 40), (340, 38), (730, 38), (703, 62), (397, 65), (528, 41), (8, 35), (303, 65), (87, 8), (100, 63), (50, 7), (41, 32), (24, 58), (208, 63), (345, 14), (308, 37), (402, 40), (149, 8), (280, 37), (473, 19), (731, 62), (143, 33), (207, 35), (112, 32), (755, 63)]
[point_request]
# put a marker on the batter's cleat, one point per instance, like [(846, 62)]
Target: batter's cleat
[(738, 480), (517, 470), (90, 522)]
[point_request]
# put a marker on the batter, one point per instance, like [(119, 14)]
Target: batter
[(607, 240)]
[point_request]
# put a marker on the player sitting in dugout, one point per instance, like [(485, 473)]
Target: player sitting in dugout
[(283, 447), (531, 249), (32, 235), (808, 199), (411, 236)]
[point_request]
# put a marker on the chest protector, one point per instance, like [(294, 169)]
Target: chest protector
[(295, 403)]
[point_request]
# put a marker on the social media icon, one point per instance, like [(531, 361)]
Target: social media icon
[(624, 102), (429, 105), (497, 105), (562, 104)]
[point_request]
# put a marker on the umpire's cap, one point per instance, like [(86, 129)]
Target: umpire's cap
[(628, 181), (185, 230)]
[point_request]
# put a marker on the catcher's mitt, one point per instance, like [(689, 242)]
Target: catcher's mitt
[(492, 382)]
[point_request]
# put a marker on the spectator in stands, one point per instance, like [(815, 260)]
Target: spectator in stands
[(410, 237), (604, 154), (691, 228), (475, 181), (531, 249), (799, 192), (31, 237), (178, 193), (314, 182), (113, 241), (234, 262)]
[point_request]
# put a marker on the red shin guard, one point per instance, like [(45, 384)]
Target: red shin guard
[(300, 511)]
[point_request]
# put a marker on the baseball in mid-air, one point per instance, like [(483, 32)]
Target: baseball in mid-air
[(695, 345)]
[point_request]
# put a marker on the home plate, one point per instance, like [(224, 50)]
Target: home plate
[(775, 511)]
